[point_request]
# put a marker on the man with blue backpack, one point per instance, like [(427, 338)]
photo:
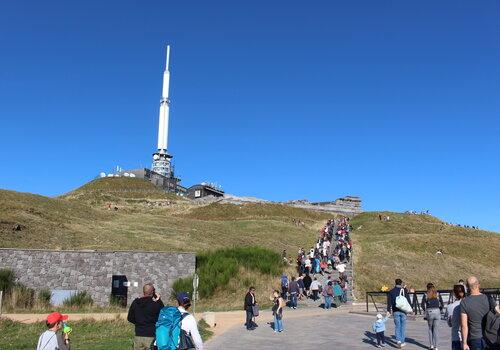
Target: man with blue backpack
[(176, 328)]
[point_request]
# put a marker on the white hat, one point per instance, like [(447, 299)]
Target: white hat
[(379, 316)]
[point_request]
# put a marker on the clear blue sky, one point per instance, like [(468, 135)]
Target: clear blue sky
[(395, 101)]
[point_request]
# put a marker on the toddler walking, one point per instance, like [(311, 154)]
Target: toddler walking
[(379, 329)]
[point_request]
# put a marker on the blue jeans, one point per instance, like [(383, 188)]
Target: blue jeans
[(476, 344), (293, 299), (278, 323), (456, 345), (400, 325), (328, 301)]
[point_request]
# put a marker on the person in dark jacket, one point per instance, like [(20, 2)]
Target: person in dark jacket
[(398, 315), (307, 284), (293, 289), (143, 313), (250, 302)]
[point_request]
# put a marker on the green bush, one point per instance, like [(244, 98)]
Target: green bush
[(78, 300), (7, 279), (43, 298), (216, 268)]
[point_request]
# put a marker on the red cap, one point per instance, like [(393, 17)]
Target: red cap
[(56, 317)]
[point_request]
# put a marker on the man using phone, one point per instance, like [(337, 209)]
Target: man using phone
[(143, 313)]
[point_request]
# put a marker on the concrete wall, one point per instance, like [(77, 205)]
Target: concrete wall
[(92, 271)]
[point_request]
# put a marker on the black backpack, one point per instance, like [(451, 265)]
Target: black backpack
[(491, 328)]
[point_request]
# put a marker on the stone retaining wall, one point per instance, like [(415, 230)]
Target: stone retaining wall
[(92, 271)]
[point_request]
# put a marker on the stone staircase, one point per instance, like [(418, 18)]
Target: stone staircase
[(334, 276)]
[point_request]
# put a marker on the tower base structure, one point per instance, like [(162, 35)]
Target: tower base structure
[(162, 163)]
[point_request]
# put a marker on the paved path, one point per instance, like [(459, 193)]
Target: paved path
[(336, 331)]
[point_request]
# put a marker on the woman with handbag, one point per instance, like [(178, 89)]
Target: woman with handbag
[(278, 305)]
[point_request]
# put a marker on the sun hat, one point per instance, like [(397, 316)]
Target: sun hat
[(379, 316)]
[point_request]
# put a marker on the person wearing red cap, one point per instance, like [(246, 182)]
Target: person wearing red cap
[(51, 339)]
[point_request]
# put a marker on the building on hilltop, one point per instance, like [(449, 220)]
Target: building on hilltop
[(204, 190)]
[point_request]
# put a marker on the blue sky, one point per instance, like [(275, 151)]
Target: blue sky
[(397, 102)]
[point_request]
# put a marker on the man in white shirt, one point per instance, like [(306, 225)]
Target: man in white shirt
[(188, 323)]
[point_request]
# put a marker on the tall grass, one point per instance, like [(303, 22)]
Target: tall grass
[(80, 299), (216, 268)]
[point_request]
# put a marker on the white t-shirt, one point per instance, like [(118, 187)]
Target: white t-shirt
[(50, 340), (189, 325), (315, 285), (340, 268)]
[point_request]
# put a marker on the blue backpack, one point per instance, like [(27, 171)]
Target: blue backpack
[(168, 328), (284, 281)]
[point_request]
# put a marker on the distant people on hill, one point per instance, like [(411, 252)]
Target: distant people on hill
[(453, 317), (143, 313), (278, 305), (432, 305), (398, 314), (473, 309), (250, 309), (52, 339)]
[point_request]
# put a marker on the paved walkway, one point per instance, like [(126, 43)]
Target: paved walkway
[(335, 331)]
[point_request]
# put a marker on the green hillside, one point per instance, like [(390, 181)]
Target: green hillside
[(407, 246), (149, 219), (81, 220)]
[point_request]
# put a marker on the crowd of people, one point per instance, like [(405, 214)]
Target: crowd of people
[(467, 316)]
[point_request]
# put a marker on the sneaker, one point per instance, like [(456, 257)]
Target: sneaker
[(383, 345), (403, 344)]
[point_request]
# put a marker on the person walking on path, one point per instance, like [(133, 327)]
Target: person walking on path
[(250, 303), (51, 339), (328, 295), (399, 315), (143, 313), (293, 289), (188, 322), (453, 317), (337, 294), (379, 329), (432, 309), (473, 309), (315, 288), (278, 305)]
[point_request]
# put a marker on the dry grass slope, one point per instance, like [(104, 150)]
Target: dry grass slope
[(406, 247), (80, 220)]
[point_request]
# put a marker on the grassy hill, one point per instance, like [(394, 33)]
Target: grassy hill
[(149, 219), (406, 247)]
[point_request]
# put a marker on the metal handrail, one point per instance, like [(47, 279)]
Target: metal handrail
[(414, 298)]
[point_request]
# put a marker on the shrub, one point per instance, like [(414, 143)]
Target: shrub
[(79, 299), (216, 268), (43, 299), (20, 297), (7, 279)]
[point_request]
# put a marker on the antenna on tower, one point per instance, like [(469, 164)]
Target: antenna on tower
[(168, 57)]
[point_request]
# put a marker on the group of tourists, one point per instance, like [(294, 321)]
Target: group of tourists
[(473, 317), (156, 325)]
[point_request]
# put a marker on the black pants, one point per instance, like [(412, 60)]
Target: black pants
[(249, 323), (380, 338)]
